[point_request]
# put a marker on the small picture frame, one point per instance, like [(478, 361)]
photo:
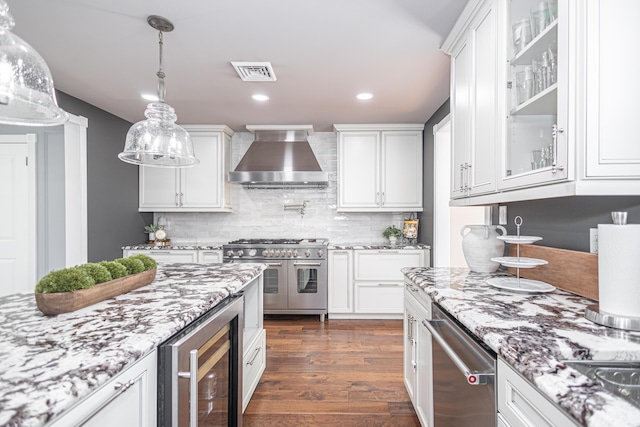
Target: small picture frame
[(410, 229)]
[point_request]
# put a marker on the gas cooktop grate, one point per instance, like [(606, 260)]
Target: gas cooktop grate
[(266, 242)]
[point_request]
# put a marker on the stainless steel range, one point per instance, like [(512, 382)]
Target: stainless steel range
[(296, 280)]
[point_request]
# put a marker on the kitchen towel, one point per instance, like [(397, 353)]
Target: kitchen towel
[(619, 269)]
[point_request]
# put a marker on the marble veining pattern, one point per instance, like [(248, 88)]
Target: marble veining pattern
[(48, 363), (175, 246), (534, 333)]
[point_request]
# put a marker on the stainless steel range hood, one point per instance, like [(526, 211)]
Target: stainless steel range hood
[(280, 156)]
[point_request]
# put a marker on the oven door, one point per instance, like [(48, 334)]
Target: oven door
[(308, 284), (199, 374), (275, 285)]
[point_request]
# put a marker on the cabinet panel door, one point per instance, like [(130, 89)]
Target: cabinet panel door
[(358, 160), (210, 257), (158, 188), (402, 170), (201, 184), (410, 337), (460, 119), (484, 99), (385, 264), (612, 88), (180, 255), (379, 298), (424, 404), (340, 282)]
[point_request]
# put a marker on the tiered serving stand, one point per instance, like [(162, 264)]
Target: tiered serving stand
[(518, 284)]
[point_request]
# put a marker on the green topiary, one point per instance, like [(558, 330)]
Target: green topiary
[(115, 268), (149, 263), (65, 280), (98, 272), (133, 265)]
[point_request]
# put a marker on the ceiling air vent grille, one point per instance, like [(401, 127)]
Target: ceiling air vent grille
[(255, 71)]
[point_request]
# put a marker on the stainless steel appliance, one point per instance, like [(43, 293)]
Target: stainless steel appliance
[(296, 279), (464, 392), (618, 377), (200, 370)]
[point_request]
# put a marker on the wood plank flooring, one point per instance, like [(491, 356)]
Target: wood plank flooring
[(337, 373)]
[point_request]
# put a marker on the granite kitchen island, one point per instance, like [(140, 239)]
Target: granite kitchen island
[(50, 363), (534, 334)]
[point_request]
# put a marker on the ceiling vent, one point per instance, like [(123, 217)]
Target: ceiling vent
[(255, 71)]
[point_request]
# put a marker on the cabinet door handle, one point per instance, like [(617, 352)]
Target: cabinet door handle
[(377, 197), (176, 200), (388, 252), (382, 200), (461, 177), (255, 354), (467, 186), (181, 199), (340, 252), (555, 130), (388, 285)]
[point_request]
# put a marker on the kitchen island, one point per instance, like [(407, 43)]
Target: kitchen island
[(49, 364), (534, 334)]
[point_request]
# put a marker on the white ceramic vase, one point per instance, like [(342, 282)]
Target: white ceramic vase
[(393, 240), (480, 244)]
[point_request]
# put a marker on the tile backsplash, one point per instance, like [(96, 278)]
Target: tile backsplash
[(260, 213)]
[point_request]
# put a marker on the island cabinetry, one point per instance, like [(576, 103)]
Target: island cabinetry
[(521, 405), (129, 399), (475, 100), (366, 283), (417, 354), (166, 255), (201, 188), (254, 355), (379, 168)]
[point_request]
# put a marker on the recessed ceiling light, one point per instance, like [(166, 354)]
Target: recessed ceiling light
[(149, 97), (364, 96), (260, 97)]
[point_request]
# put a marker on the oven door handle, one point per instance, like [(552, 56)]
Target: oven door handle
[(274, 264), (307, 264), (473, 377)]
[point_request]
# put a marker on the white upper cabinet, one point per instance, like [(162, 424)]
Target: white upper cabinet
[(565, 113), (475, 100), (379, 168), (202, 188)]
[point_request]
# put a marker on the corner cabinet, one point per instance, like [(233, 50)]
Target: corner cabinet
[(129, 399), (379, 168), (563, 127), (201, 188)]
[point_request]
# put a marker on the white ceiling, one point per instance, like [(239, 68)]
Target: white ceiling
[(323, 53)]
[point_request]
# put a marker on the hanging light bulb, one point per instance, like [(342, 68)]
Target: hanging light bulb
[(27, 96), (159, 141)]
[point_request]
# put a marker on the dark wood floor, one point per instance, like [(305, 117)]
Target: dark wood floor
[(337, 373)]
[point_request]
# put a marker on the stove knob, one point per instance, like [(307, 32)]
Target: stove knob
[(252, 252), (295, 254), (240, 253), (271, 252), (277, 252), (307, 253), (230, 254), (265, 253), (320, 253), (289, 253)]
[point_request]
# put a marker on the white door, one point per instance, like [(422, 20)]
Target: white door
[(402, 170), (448, 220), (15, 216), (200, 184)]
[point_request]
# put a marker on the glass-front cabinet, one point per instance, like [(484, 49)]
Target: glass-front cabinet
[(535, 148)]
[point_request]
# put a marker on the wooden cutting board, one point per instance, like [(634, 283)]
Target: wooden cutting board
[(573, 271)]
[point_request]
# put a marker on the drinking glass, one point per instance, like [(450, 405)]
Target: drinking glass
[(536, 159), (521, 34), (539, 18)]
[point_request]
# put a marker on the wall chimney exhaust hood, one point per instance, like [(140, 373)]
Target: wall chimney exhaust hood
[(280, 156)]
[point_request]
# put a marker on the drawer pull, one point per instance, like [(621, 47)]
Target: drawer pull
[(388, 285), (255, 354)]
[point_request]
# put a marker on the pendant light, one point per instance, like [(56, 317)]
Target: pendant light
[(159, 141), (27, 96)]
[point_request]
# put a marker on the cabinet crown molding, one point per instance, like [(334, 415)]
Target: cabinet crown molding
[(379, 127), (459, 28)]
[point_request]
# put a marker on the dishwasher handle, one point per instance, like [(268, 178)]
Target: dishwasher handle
[(473, 377)]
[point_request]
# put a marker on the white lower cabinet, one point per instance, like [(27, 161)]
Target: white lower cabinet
[(417, 355), (209, 256), (521, 405), (368, 284), (254, 362), (129, 399)]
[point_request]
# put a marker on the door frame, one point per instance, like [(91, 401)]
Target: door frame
[(441, 191), (30, 139)]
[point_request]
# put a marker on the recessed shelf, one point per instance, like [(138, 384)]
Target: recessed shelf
[(538, 45), (544, 103)]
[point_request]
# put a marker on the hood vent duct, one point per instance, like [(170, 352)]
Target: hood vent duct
[(280, 157)]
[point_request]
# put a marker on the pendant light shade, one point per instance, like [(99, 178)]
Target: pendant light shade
[(27, 95), (159, 141)]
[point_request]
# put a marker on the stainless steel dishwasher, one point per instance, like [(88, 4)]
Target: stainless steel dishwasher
[(464, 392)]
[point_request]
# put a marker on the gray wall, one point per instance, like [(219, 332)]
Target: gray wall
[(425, 227), (565, 222), (112, 185)]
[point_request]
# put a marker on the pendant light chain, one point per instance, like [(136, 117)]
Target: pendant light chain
[(161, 89)]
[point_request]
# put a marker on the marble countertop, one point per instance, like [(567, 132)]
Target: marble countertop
[(351, 246), (174, 246), (47, 364), (534, 333)]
